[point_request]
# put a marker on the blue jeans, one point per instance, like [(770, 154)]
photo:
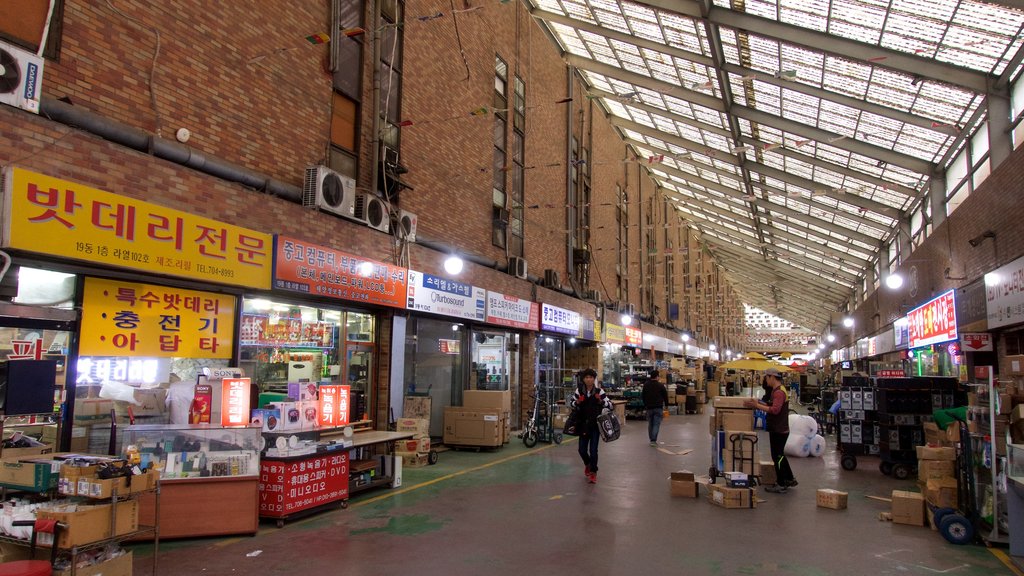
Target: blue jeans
[(589, 440), (654, 416)]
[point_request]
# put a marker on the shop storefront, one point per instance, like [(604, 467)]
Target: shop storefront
[(621, 354), (558, 326), (934, 349), (495, 348)]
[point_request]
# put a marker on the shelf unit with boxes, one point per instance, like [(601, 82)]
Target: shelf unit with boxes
[(209, 477), (96, 502)]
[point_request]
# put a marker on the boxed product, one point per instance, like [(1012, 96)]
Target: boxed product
[(496, 399), (933, 436), (88, 524), (930, 453), (472, 427), (684, 483), (414, 425), (309, 414), (269, 419), (834, 499), (34, 475), (942, 492), (119, 566), (97, 488), (767, 469), (299, 391), (908, 508), (413, 460), (731, 497), (737, 480), (934, 469), (290, 415)]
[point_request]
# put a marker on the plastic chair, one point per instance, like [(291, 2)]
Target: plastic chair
[(34, 567)]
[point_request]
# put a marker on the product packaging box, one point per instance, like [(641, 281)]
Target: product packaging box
[(930, 453), (414, 425), (299, 391), (268, 418), (413, 460), (684, 484), (934, 469), (290, 415), (908, 508), (731, 497), (97, 488), (942, 492), (88, 524), (767, 469), (472, 427), (834, 499), (493, 399), (933, 436), (33, 475), (416, 407)]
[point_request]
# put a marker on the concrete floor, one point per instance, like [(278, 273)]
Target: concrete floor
[(519, 511)]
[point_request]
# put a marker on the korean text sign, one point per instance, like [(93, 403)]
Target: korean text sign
[(61, 218), (311, 269), (129, 319), (1004, 294), (511, 311), (234, 400), (933, 322), (334, 405), (289, 486), (437, 295), (560, 320)]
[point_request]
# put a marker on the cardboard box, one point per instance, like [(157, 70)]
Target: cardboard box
[(908, 508), (1005, 403), (93, 410), (933, 436), (942, 492), (767, 469), (90, 524), (953, 433), (741, 455), (472, 427), (683, 484), (120, 566), (731, 497), (498, 400), (731, 402), (97, 488), (415, 425), (33, 475), (22, 453), (937, 453), (834, 499), (413, 460)]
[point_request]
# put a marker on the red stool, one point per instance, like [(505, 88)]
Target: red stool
[(34, 567)]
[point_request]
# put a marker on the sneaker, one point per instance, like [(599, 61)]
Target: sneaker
[(792, 484), (586, 471), (592, 478), (653, 443), (775, 489)]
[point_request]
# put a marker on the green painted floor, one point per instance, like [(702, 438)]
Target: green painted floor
[(519, 510)]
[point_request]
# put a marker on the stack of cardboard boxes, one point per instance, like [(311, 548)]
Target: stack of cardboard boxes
[(936, 475), (484, 419), (415, 451), (588, 357), (734, 446)]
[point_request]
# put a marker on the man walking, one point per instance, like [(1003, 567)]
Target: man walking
[(655, 397)]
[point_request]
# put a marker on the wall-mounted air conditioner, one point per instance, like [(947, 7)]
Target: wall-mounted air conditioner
[(329, 191), (551, 279), (21, 78), (517, 267), (373, 211), (404, 225)]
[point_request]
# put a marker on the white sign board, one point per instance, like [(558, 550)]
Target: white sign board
[(976, 342), (1004, 294), (429, 293)]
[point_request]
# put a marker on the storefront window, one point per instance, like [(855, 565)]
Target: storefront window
[(495, 365), (282, 343), (434, 365)]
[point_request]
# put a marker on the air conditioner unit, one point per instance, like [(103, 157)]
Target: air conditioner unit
[(551, 279), (21, 78), (591, 295), (517, 266), (373, 211), (403, 224), (501, 215), (329, 191), (629, 309)]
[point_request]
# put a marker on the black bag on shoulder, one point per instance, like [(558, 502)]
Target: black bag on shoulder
[(572, 423)]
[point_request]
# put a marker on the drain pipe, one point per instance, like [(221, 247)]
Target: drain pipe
[(142, 141)]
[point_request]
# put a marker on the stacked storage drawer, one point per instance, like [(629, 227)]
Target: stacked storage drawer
[(904, 404), (858, 426)]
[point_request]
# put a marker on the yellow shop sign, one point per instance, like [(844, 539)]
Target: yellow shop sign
[(48, 215)]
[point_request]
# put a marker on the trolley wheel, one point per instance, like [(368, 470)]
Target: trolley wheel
[(432, 457), (956, 529), (530, 438), (849, 462), (280, 523), (901, 471), (885, 468), (557, 437), (940, 513), (344, 503), (712, 473)]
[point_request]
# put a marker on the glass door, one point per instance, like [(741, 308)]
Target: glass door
[(494, 365)]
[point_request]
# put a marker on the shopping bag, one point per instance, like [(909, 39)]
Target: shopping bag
[(571, 424), (609, 425)]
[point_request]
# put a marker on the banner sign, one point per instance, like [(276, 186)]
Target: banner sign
[(287, 487), (129, 319), (334, 405), (311, 269), (933, 322), (52, 216), (976, 342), (614, 333), (428, 293), (511, 311), (1004, 294), (234, 402), (634, 336), (555, 319)]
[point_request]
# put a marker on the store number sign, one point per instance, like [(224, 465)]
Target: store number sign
[(290, 487), (145, 320), (334, 405)]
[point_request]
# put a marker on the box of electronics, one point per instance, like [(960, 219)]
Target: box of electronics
[(737, 480), (31, 474), (731, 497), (414, 425), (684, 483), (473, 427), (834, 499)]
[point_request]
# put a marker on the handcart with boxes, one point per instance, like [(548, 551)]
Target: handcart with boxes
[(734, 454)]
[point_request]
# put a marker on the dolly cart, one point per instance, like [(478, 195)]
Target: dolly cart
[(741, 444)]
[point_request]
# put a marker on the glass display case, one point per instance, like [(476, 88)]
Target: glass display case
[(196, 451)]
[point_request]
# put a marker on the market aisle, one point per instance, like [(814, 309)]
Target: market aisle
[(522, 510)]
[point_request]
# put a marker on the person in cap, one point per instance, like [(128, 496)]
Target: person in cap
[(777, 421), (589, 401)]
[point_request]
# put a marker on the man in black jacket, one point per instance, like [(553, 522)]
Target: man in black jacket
[(655, 397)]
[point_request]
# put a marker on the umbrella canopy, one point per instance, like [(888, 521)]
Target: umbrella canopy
[(756, 356), (755, 364), (785, 355)]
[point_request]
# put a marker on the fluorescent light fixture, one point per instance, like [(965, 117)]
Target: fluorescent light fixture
[(894, 281), (453, 265)]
